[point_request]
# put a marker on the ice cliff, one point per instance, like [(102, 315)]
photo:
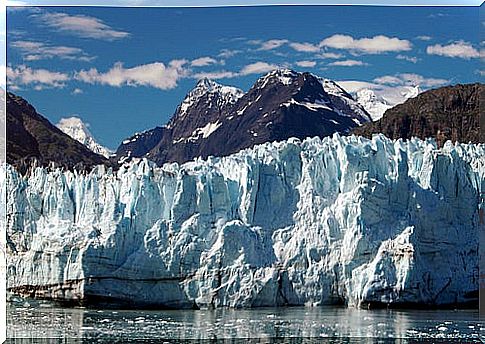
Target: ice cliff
[(322, 221)]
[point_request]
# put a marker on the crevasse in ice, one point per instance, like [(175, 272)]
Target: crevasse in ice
[(322, 221)]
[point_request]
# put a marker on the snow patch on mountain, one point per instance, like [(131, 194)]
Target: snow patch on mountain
[(78, 130), (228, 95), (377, 101), (345, 105), (313, 222)]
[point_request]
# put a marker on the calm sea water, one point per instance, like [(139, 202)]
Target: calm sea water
[(36, 322)]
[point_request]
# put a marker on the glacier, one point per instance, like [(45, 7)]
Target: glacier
[(339, 220)]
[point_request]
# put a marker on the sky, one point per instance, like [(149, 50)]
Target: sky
[(125, 70)]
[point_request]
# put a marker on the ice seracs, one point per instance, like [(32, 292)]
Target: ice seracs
[(320, 221), (78, 130)]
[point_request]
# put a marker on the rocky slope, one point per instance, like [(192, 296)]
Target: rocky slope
[(31, 136), (342, 220), (220, 120), (78, 130), (447, 113)]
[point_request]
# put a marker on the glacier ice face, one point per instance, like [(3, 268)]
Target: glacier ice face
[(323, 221)]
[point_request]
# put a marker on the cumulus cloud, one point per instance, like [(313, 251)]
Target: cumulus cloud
[(347, 63), (412, 59), (458, 49), (424, 38), (393, 84), (22, 75), (226, 53), (214, 75), (80, 25), (306, 64), (410, 79), (353, 86), (155, 74), (33, 51), (373, 45), (305, 47), (272, 44), (257, 68), (203, 61)]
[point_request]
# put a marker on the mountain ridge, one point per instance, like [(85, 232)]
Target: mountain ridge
[(78, 130), (219, 120), (32, 137), (446, 113)]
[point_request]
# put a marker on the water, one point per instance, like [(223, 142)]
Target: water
[(336, 325)]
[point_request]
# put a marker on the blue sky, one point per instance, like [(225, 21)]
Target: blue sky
[(124, 70)]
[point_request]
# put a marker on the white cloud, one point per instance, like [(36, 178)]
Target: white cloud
[(306, 64), (412, 59), (353, 86), (347, 63), (390, 84), (389, 80), (226, 53), (305, 47), (253, 68), (458, 49), (155, 74), (214, 75), (410, 79), (374, 45), (37, 78), (81, 25), (33, 51), (203, 61), (272, 44), (424, 38), (77, 91), (257, 68)]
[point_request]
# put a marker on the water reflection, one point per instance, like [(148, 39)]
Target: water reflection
[(304, 325)]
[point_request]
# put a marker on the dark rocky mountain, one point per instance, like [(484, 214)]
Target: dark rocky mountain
[(447, 113), (220, 120), (31, 136)]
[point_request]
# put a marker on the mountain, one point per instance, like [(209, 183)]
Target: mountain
[(30, 136), (204, 104), (75, 128), (446, 113), (219, 120), (339, 220), (376, 102)]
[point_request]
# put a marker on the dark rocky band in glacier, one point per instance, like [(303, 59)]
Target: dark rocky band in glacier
[(339, 220)]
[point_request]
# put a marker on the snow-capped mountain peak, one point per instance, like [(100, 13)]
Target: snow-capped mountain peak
[(227, 94), (376, 102), (374, 105), (218, 120), (78, 130), (283, 76)]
